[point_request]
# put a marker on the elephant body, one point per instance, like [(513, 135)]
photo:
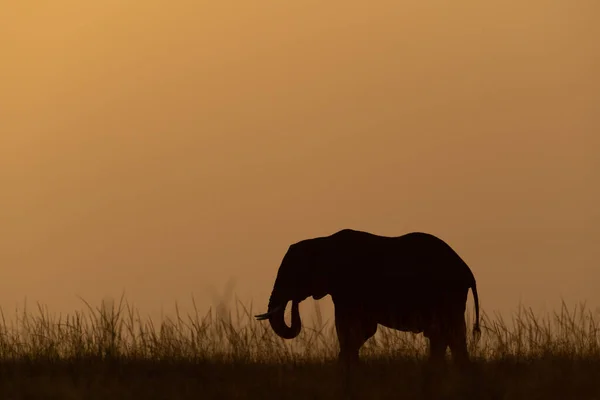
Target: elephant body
[(414, 282)]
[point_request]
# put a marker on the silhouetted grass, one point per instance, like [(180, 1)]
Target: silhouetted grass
[(112, 353)]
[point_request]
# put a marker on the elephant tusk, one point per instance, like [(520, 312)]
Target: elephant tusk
[(264, 316)]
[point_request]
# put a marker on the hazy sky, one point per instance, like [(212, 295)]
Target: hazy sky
[(162, 148)]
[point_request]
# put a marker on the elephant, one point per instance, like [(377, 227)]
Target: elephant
[(413, 283)]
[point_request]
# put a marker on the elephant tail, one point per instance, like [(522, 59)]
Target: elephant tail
[(476, 328)]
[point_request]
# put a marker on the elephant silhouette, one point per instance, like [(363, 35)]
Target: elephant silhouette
[(415, 283)]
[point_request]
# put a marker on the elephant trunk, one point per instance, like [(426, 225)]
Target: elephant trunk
[(276, 319)]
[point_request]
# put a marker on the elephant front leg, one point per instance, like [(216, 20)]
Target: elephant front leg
[(353, 330)]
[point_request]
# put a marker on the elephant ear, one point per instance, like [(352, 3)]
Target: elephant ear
[(321, 283), (315, 267), (319, 295)]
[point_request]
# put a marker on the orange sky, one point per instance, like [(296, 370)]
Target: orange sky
[(163, 147)]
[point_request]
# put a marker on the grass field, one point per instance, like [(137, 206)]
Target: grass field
[(111, 353)]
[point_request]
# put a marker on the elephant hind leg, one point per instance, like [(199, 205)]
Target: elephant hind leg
[(352, 331), (437, 348), (457, 341), (438, 340)]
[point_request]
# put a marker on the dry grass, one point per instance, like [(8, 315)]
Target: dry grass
[(112, 353)]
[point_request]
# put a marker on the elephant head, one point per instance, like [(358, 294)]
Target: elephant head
[(302, 273)]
